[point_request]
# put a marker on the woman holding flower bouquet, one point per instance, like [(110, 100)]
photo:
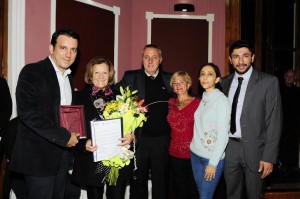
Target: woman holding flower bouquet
[(212, 119), (181, 120), (91, 175)]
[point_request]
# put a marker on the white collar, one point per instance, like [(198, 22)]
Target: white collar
[(155, 75), (67, 72)]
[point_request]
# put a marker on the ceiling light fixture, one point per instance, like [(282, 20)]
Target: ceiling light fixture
[(184, 7)]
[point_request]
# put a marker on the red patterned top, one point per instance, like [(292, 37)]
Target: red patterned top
[(182, 127)]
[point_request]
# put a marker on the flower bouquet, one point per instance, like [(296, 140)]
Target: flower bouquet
[(128, 107)]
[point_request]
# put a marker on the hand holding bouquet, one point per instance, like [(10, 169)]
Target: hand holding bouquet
[(128, 107)]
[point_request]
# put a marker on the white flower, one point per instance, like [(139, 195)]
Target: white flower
[(125, 153), (124, 108)]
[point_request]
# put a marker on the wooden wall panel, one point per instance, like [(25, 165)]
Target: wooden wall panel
[(233, 28), (3, 37), (281, 195), (297, 42)]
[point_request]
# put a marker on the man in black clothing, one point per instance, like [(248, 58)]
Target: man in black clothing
[(5, 110), (12, 180), (5, 114), (153, 85), (41, 150), (289, 148)]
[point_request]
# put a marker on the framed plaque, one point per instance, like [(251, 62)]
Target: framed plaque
[(72, 118)]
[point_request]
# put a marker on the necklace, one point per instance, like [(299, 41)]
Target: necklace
[(178, 104), (182, 103)]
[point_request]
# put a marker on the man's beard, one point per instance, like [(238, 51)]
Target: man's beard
[(242, 72)]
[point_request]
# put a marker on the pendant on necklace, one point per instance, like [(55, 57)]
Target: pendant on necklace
[(179, 106)]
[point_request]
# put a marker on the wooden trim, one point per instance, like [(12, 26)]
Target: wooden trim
[(232, 27), (3, 37), (281, 194), (297, 42), (258, 34), (1, 34)]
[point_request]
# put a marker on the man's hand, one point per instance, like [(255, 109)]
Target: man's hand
[(73, 140), (266, 168)]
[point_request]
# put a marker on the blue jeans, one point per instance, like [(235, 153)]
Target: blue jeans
[(206, 188)]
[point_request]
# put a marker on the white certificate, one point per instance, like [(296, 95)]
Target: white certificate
[(106, 135)]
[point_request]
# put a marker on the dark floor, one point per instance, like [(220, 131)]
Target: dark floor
[(285, 179), (281, 180)]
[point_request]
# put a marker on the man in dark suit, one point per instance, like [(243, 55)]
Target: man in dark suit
[(289, 144), (253, 145), (12, 180), (5, 111), (40, 151), (153, 85), (5, 114)]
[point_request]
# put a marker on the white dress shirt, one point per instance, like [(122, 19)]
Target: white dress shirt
[(239, 107), (64, 85)]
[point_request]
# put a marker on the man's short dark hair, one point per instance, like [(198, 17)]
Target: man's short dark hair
[(66, 32), (152, 46), (242, 44)]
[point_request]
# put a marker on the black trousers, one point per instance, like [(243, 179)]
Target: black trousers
[(72, 190), (94, 192), (112, 192), (152, 161), (14, 181), (289, 146), (118, 191), (49, 187), (182, 178)]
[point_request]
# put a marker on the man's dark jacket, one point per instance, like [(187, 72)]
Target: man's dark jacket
[(40, 140)]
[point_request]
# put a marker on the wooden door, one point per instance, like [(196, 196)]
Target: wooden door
[(174, 37)]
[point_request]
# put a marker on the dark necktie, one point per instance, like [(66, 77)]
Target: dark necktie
[(234, 104), (152, 77)]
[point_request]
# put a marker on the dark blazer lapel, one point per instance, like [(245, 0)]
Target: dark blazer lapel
[(250, 90), (166, 82), (140, 79), (52, 77), (227, 84)]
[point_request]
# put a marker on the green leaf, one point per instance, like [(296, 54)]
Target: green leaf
[(134, 92), (121, 90)]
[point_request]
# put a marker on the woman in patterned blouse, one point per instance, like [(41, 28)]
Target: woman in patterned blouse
[(88, 174), (211, 129), (181, 120)]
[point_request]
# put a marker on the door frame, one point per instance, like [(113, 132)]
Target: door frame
[(116, 11), (209, 18)]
